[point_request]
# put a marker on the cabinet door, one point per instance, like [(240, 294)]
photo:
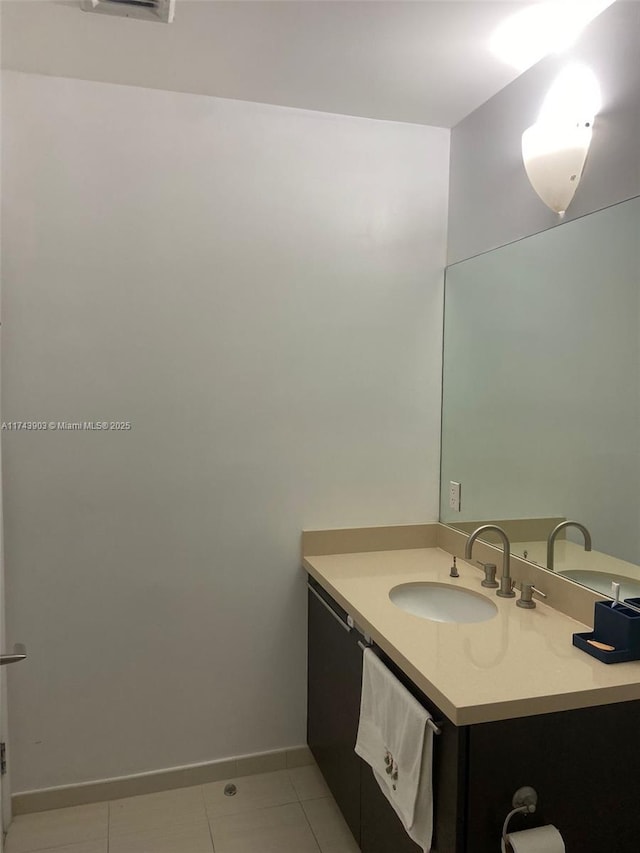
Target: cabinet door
[(584, 764), (381, 828), (334, 683)]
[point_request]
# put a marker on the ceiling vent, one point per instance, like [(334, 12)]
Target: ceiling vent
[(147, 10)]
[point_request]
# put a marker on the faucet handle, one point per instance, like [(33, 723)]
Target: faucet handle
[(489, 574), (526, 596)]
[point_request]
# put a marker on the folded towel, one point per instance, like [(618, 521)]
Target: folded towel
[(393, 737)]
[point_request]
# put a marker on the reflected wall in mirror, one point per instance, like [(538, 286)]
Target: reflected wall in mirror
[(541, 397)]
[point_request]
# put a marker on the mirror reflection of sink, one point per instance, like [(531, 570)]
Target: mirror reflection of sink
[(601, 581), (441, 602)]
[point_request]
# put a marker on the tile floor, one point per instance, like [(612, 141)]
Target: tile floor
[(287, 811)]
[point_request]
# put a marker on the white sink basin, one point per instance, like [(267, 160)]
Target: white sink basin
[(442, 602), (601, 582)]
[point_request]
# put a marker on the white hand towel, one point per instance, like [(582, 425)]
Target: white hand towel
[(393, 737)]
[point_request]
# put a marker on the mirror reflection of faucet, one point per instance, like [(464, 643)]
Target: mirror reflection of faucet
[(551, 541)]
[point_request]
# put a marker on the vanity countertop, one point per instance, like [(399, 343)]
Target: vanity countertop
[(520, 663)]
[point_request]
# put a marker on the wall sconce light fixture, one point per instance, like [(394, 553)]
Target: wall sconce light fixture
[(555, 148)]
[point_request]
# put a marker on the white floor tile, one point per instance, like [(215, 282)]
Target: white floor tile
[(283, 829), (156, 811), (309, 782), (265, 816), (254, 792), (329, 827), (58, 828), (169, 839)]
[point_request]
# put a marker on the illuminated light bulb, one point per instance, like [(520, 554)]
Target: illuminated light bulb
[(575, 93)]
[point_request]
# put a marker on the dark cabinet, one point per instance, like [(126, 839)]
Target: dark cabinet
[(334, 679), (584, 764), (334, 682), (449, 774), (381, 832)]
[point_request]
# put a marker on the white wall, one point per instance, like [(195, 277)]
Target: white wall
[(259, 291)]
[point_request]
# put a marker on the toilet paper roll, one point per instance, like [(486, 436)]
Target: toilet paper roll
[(542, 839)]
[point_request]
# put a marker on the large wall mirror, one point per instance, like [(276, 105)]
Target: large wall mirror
[(541, 399)]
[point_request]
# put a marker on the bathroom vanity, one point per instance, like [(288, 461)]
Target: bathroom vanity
[(516, 705)]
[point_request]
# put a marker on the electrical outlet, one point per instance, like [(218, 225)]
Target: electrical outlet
[(455, 494)]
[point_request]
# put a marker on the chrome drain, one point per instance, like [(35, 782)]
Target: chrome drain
[(230, 790)]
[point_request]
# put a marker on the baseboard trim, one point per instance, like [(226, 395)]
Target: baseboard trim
[(25, 802)]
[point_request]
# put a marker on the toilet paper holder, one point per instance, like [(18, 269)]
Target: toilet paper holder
[(524, 801)]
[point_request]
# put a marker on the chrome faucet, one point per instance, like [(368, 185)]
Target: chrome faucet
[(506, 586), (551, 541)]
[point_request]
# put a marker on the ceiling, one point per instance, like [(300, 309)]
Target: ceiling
[(424, 62)]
